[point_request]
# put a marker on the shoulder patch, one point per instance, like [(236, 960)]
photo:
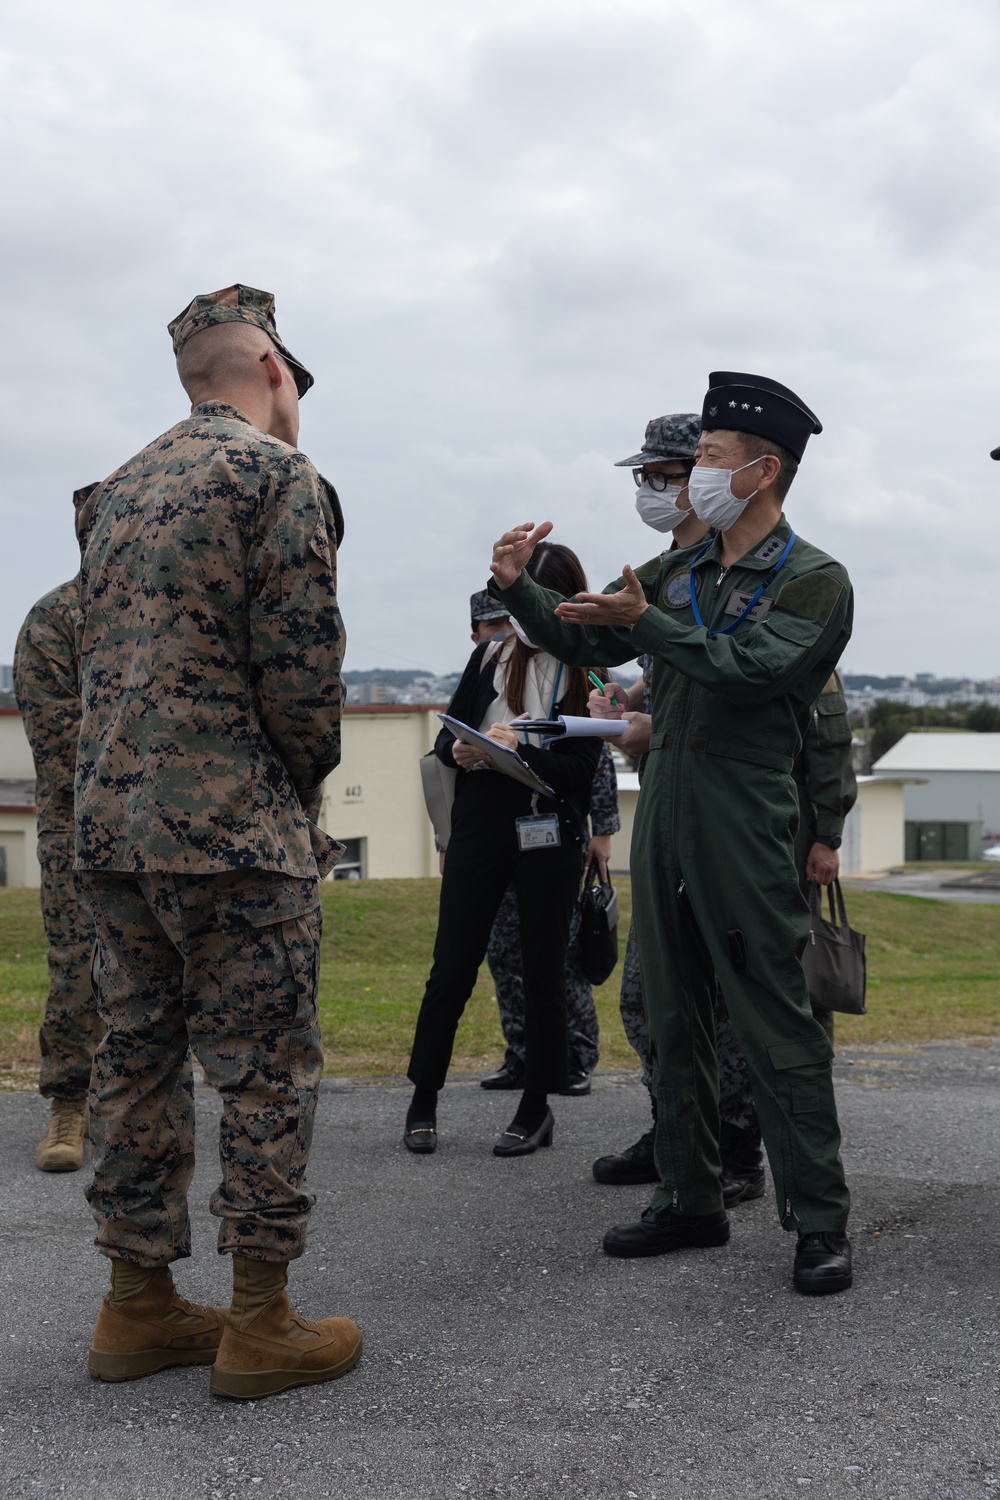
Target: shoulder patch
[(676, 592), (814, 595)]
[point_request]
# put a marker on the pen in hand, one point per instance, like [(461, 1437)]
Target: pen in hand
[(599, 684)]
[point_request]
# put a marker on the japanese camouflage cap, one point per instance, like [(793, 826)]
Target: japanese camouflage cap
[(675, 436), (483, 607), (236, 304)]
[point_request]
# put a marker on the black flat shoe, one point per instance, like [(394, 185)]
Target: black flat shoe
[(578, 1085), (634, 1164), (822, 1264), (741, 1185), (659, 1230), (421, 1137), (516, 1141), (503, 1078)]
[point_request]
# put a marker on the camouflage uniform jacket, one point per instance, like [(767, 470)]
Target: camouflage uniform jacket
[(46, 682), (210, 655)]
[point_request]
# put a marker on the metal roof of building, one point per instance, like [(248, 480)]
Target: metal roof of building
[(941, 752)]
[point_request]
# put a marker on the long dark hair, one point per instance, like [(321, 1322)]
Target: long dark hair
[(555, 567)]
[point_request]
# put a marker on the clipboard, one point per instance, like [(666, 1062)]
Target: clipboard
[(501, 759)]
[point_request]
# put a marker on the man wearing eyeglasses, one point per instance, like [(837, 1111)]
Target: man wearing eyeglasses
[(745, 628)]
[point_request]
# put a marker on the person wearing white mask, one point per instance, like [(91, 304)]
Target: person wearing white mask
[(746, 628)]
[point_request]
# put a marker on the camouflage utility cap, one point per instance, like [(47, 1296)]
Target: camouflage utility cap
[(674, 436), (235, 304), (483, 607)]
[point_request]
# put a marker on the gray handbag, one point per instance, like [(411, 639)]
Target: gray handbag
[(834, 957), (439, 794)]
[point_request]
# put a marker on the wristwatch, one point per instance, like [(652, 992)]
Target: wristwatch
[(831, 840)]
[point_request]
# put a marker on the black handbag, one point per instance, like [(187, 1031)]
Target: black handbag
[(834, 957), (598, 926)]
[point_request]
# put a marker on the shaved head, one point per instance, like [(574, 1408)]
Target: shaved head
[(219, 358)]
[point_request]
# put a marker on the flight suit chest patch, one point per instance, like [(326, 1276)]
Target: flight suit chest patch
[(676, 593), (738, 602)]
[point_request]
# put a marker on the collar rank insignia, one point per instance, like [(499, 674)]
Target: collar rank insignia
[(676, 593), (770, 549), (738, 602)]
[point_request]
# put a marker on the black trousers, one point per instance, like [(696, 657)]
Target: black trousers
[(483, 859)]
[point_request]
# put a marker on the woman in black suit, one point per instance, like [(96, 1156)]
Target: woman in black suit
[(490, 847)]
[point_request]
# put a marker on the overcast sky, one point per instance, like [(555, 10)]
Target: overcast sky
[(503, 236)]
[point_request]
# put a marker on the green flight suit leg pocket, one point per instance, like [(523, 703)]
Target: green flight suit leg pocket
[(802, 1136)]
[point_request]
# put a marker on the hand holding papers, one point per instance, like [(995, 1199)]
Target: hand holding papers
[(499, 757)]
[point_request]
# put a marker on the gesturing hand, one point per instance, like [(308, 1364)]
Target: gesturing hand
[(513, 550), (623, 608)]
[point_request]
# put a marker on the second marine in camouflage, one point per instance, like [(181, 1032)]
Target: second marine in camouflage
[(46, 681)]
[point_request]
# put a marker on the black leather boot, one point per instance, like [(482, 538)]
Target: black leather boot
[(822, 1264), (634, 1164), (742, 1165), (660, 1230)]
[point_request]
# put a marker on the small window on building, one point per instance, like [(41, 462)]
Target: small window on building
[(352, 866)]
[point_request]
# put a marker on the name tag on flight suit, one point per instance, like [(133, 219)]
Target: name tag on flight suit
[(738, 603), (538, 833)]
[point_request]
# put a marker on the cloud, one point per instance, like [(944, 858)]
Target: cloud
[(504, 236)]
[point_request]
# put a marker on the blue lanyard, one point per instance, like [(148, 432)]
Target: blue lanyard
[(753, 602)]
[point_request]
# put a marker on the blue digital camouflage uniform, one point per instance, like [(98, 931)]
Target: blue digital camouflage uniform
[(46, 682), (504, 953), (210, 647)]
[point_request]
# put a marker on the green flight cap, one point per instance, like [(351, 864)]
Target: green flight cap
[(236, 304)]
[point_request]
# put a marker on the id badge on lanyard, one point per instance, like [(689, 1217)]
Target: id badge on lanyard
[(537, 830)]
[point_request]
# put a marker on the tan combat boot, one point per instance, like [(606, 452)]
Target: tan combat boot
[(145, 1326), (268, 1346), (61, 1147)]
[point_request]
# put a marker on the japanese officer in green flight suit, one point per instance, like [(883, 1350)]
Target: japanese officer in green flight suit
[(746, 629)]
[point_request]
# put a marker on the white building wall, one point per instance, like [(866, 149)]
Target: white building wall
[(955, 797), (375, 793), (15, 752), (18, 839), (874, 832)]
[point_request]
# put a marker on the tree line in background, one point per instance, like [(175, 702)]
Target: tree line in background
[(889, 721)]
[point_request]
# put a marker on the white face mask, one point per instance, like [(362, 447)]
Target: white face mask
[(712, 498), (514, 625), (658, 508)]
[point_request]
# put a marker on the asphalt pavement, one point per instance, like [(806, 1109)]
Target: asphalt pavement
[(975, 887), (506, 1356)]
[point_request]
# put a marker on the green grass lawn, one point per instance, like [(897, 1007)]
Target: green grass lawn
[(933, 973)]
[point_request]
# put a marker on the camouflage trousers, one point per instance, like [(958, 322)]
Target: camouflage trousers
[(71, 1027), (225, 965), (736, 1106), (504, 958)]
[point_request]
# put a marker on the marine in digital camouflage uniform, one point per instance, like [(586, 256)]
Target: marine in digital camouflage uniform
[(504, 959), (211, 652), (46, 681)]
